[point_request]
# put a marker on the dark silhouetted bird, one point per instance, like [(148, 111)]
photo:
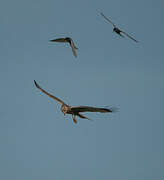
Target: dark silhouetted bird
[(117, 30), (75, 110), (67, 40)]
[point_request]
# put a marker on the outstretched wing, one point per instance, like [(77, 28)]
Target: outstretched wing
[(107, 19), (90, 109), (59, 40), (129, 36), (73, 48), (51, 96)]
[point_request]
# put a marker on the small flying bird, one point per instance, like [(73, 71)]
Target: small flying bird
[(75, 110), (116, 29), (67, 40)]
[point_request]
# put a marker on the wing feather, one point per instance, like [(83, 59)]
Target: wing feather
[(129, 36), (107, 19), (51, 96), (73, 48), (90, 109), (59, 40)]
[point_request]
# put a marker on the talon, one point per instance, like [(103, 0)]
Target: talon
[(74, 120)]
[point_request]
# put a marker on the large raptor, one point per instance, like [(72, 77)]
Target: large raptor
[(75, 110)]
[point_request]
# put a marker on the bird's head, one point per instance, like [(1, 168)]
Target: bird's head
[(114, 29), (64, 109)]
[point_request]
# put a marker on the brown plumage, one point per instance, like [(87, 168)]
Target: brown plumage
[(116, 29), (67, 40), (75, 110)]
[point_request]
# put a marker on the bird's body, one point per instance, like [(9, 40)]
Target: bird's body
[(75, 110), (116, 29), (67, 40)]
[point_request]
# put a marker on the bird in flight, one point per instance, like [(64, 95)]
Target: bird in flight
[(116, 29), (67, 40), (75, 110)]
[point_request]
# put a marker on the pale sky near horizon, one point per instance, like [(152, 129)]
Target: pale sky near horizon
[(37, 141)]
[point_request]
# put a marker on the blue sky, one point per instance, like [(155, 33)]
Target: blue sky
[(36, 141)]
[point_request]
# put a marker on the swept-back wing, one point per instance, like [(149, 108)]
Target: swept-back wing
[(59, 40), (90, 109), (129, 36), (51, 96), (73, 48), (107, 19)]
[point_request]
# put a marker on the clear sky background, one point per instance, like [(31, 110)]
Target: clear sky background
[(36, 141)]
